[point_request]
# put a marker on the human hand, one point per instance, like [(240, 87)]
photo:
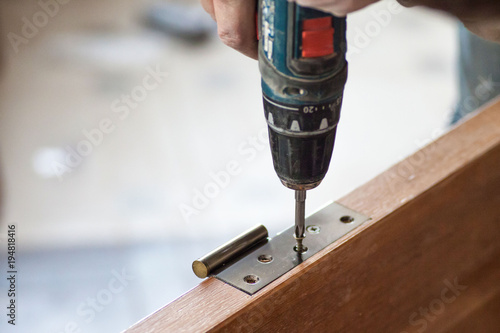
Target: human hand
[(236, 18), (235, 23)]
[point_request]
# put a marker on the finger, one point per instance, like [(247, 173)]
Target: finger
[(236, 25), (208, 5), (486, 29)]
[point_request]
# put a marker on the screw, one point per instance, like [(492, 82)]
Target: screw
[(313, 229), (300, 248)]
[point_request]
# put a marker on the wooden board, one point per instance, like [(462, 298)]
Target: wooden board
[(429, 260)]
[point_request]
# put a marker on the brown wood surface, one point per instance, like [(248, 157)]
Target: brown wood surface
[(435, 223)]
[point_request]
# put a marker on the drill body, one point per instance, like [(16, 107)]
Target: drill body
[(304, 70)]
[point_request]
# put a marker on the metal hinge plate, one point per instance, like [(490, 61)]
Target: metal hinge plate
[(270, 261)]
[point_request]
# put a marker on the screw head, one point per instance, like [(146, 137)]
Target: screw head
[(313, 229), (301, 249)]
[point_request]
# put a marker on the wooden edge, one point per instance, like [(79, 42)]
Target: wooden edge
[(212, 302)]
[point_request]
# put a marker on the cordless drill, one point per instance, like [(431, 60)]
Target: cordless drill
[(304, 70)]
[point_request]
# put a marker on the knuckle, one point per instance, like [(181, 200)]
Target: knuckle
[(346, 6), (231, 38)]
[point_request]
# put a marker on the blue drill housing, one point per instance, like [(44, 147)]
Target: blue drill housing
[(304, 70)]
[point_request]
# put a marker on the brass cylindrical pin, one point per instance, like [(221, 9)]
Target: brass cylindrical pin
[(228, 251)]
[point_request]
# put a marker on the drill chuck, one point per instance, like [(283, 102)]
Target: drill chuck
[(301, 163), (302, 141)]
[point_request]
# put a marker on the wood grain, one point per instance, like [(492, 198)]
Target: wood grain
[(429, 260)]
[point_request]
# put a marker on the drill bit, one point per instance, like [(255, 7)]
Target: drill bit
[(300, 227)]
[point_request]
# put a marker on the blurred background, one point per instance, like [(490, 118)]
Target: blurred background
[(116, 132)]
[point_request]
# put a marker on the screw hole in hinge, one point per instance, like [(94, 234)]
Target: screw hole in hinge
[(251, 279), (265, 258), (303, 249), (347, 219)]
